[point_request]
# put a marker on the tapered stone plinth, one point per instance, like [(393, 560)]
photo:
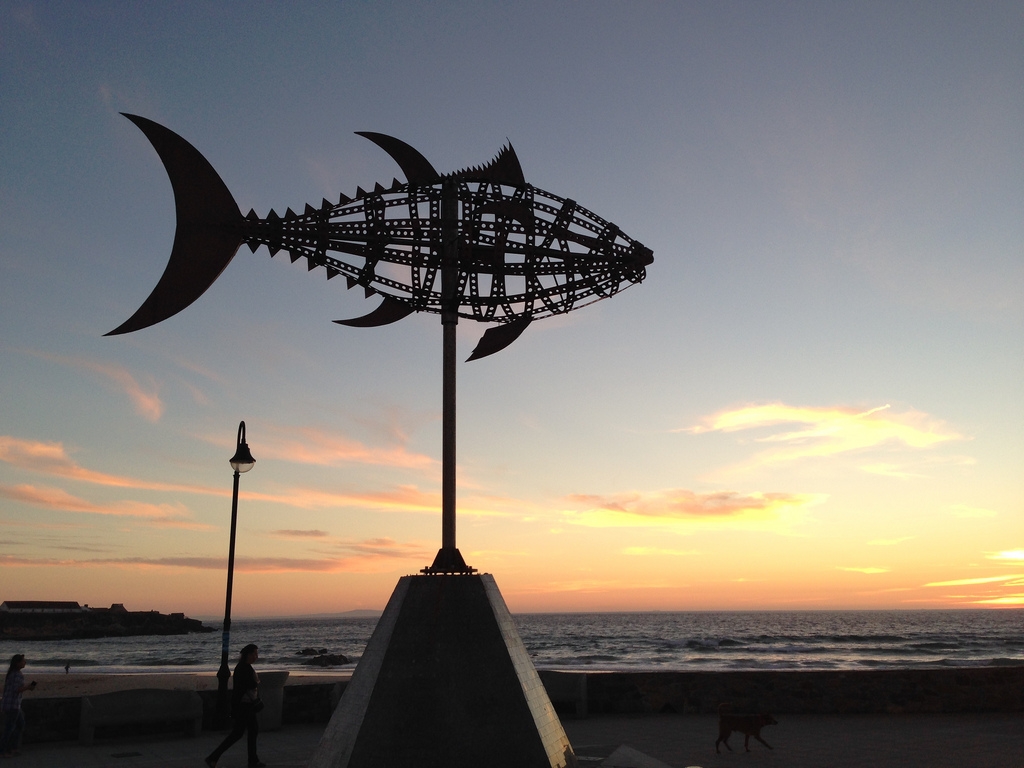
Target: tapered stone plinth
[(445, 682)]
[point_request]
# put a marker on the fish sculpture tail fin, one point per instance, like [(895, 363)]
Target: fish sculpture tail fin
[(208, 232)]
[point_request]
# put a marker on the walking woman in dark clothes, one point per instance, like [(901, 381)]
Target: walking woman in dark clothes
[(10, 705), (245, 703)]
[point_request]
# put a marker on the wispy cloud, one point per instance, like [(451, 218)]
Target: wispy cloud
[(144, 395), (829, 431), (310, 534), (307, 445), (387, 547), (52, 459), (658, 551), (1008, 554), (681, 509), (585, 586), (889, 470), (1005, 600), (404, 498), (1009, 579), (372, 556), (963, 510), (890, 542), (862, 569), (57, 499)]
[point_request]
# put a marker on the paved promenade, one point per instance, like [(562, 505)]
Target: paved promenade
[(800, 741)]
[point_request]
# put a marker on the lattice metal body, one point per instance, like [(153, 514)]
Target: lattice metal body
[(521, 251)]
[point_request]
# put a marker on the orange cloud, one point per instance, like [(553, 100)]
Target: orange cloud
[(683, 509), (1009, 554), (60, 500), (370, 556), (145, 397), (52, 459), (889, 470), (589, 586), (963, 510), (890, 542), (654, 551), (831, 430), (1007, 600), (982, 580), (405, 498), (866, 570), (313, 446)]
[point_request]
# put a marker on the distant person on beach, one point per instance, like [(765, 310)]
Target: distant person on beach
[(245, 703), (67, 668), (10, 705)]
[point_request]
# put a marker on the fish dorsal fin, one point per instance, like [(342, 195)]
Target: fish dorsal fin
[(503, 169), (416, 167)]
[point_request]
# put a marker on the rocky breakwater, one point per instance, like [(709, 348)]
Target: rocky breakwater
[(319, 657), (95, 623)]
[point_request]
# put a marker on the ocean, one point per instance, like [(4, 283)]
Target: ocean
[(696, 641)]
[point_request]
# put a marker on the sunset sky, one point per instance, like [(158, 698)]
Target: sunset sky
[(815, 399)]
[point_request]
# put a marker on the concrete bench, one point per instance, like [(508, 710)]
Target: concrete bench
[(144, 705)]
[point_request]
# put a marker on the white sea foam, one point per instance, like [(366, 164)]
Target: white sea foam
[(698, 641)]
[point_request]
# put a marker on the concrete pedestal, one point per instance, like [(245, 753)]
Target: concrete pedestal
[(272, 694), (445, 682)]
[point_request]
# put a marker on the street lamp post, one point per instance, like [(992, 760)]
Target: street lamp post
[(242, 461)]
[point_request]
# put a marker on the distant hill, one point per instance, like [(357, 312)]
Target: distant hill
[(95, 623), (357, 614)]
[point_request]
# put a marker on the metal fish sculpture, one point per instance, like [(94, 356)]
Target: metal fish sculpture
[(480, 244)]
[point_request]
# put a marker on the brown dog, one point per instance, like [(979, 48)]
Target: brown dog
[(748, 725)]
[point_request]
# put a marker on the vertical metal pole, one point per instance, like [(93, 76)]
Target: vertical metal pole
[(449, 320), (448, 441), (448, 559), (224, 673)]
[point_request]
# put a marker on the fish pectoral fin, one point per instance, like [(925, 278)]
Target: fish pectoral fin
[(208, 228), (497, 338), (415, 166), (390, 311)]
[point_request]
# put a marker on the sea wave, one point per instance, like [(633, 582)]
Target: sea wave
[(705, 641)]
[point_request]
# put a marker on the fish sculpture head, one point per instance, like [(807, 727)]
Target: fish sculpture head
[(480, 244)]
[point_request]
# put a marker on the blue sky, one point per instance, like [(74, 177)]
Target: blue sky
[(813, 400)]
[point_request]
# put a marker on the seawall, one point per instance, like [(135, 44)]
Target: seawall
[(578, 694), (890, 691)]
